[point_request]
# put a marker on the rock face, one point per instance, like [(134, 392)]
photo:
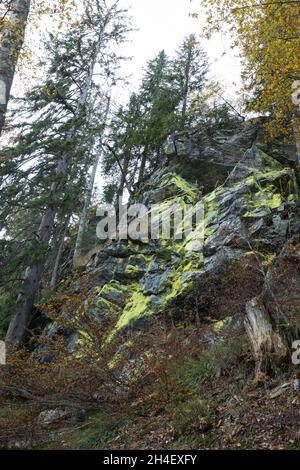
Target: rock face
[(207, 162), (207, 157), (223, 263)]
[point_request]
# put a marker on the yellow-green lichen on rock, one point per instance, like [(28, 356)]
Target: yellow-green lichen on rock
[(136, 307), (158, 271)]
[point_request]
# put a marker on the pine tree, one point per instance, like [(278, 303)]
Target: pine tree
[(13, 24), (47, 168), (189, 72), (139, 129), (123, 148)]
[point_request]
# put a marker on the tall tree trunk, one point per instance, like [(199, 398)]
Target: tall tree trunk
[(22, 318), (11, 40), (88, 197), (83, 218), (55, 270), (122, 184)]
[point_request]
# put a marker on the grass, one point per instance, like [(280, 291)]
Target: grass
[(100, 429)]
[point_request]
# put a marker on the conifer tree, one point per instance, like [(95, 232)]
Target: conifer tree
[(13, 24), (47, 169), (189, 69), (139, 129)]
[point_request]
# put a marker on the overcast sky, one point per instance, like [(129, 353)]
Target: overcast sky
[(162, 24)]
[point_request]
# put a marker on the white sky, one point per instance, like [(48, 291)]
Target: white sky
[(163, 24), (160, 24)]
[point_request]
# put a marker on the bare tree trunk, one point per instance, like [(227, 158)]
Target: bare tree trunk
[(121, 167), (122, 184), (88, 198), (83, 218), (55, 271), (13, 26), (142, 166)]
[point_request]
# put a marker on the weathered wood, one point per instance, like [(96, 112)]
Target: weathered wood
[(267, 344)]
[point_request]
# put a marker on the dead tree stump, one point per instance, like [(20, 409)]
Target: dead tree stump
[(267, 344)]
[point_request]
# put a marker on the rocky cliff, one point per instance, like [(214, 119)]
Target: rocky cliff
[(176, 342), (250, 204)]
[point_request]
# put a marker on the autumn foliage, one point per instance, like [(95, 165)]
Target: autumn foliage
[(267, 34)]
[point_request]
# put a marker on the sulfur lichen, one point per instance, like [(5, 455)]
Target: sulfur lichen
[(131, 269), (135, 308), (181, 186), (158, 271)]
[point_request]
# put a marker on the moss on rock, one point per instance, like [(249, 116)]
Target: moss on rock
[(158, 271)]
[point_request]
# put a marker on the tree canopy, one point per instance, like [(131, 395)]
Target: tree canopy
[(267, 33)]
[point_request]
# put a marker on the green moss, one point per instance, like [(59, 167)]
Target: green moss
[(189, 190), (135, 308), (268, 161), (218, 327), (177, 282), (293, 198), (131, 269), (266, 199), (183, 188), (105, 304), (273, 190)]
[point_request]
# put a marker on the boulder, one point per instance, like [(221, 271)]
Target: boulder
[(49, 417)]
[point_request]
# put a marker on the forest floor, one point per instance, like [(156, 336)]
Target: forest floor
[(263, 415), (207, 401)]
